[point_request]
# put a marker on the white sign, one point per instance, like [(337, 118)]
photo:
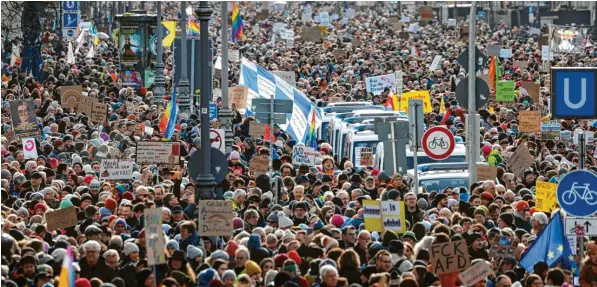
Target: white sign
[(324, 18), (506, 53), (475, 273), (435, 63), (546, 55), (218, 63), (29, 148), (287, 76), (535, 31), (217, 139), (413, 28), (589, 137), (581, 226), (405, 19), (377, 84), (350, 13), (279, 27), (303, 155), (451, 22), (233, 55), (287, 34), (306, 17), (358, 154), (572, 240), (116, 169), (399, 82), (255, 29), (217, 93), (150, 152)]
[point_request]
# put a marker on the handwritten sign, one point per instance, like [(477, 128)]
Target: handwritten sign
[(520, 160), (238, 97), (530, 121), (154, 239), (303, 155), (505, 91), (366, 156), (215, 218), (288, 77), (233, 55), (449, 257), (378, 84), (475, 273), (312, 34), (532, 90), (99, 112), (150, 152), (546, 196), (116, 169), (259, 165), (416, 95), (86, 105), (372, 215), (486, 172), (257, 129), (61, 218), (69, 96), (393, 216)]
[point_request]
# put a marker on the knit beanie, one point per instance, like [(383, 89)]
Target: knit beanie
[(172, 244), (65, 204), (129, 248), (284, 221), (252, 268), (110, 204), (193, 252), (229, 274), (238, 223), (206, 276), (295, 257), (422, 203), (337, 220), (82, 282), (231, 248)]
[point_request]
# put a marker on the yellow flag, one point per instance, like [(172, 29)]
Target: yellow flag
[(171, 26), (442, 107)]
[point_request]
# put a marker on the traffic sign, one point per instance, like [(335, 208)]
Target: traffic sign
[(416, 105), (217, 139), (573, 93), (577, 193), (70, 5), (581, 226), (219, 164), (438, 143), (481, 93), (213, 112), (70, 33), (70, 20), (480, 62)]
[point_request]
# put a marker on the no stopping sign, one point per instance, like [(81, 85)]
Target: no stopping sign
[(438, 143)]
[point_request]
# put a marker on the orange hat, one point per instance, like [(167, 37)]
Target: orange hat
[(522, 205)]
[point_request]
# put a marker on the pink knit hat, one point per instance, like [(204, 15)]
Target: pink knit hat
[(337, 220)]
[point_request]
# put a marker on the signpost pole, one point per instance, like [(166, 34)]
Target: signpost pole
[(471, 137), (271, 134), (395, 168), (415, 141), (581, 165)]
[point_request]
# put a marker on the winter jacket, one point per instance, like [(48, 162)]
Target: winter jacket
[(415, 216), (100, 270), (588, 274)]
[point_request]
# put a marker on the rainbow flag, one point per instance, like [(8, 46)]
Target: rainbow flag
[(193, 28), (67, 273), (494, 71), (237, 24), (312, 139), (168, 121)]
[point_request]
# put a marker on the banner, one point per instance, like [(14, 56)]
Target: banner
[(22, 116), (416, 95), (303, 155), (215, 218), (263, 84), (567, 39), (154, 236), (546, 196), (378, 84), (372, 215), (150, 152), (116, 169)]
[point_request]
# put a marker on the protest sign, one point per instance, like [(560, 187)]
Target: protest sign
[(29, 148), (306, 17), (372, 215), (237, 97), (257, 129), (69, 96), (550, 131), (520, 160), (259, 165), (486, 172), (22, 116), (546, 196), (86, 106), (287, 34), (504, 91), (215, 218), (502, 248), (426, 13), (451, 23), (150, 76), (589, 137), (493, 50), (449, 257), (288, 77), (303, 155), (393, 216), (324, 18), (154, 238), (340, 54), (233, 55), (150, 152), (416, 95), (116, 169), (61, 218), (475, 273), (278, 27), (530, 121), (263, 15), (335, 99), (532, 90), (99, 112), (546, 55), (365, 157), (312, 34), (404, 35), (378, 84), (521, 64), (566, 136), (435, 63), (568, 39), (506, 53)]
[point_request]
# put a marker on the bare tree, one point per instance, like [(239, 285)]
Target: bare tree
[(12, 15)]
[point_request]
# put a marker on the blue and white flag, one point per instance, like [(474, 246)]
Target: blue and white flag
[(263, 84)]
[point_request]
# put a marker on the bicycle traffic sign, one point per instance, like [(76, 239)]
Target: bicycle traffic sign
[(438, 143), (577, 193)]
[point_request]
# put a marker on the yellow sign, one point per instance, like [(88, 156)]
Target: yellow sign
[(171, 26), (416, 95), (546, 196), (116, 35), (372, 215)]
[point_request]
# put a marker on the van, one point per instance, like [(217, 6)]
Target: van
[(458, 155), (333, 109), (361, 137)]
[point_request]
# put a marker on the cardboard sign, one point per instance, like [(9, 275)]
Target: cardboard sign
[(546, 196), (288, 77), (485, 77), (475, 273), (486, 172), (237, 96), (69, 96), (335, 99), (303, 155), (312, 34), (257, 129), (154, 239), (493, 50), (366, 157), (263, 15), (99, 112), (215, 218), (520, 160), (521, 64), (61, 218), (86, 106), (449, 257), (150, 152), (340, 54), (504, 91), (259, 165), (532, 90), (530, 121), (116, 169), (404, 35)]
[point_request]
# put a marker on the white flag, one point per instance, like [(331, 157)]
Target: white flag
[(71, 55), (90, 54)]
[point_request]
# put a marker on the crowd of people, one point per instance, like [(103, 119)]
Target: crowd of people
[(314, 233)]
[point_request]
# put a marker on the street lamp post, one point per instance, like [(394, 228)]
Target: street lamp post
[(205, 180), (184, 85), (225, 112), (160, 81)]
